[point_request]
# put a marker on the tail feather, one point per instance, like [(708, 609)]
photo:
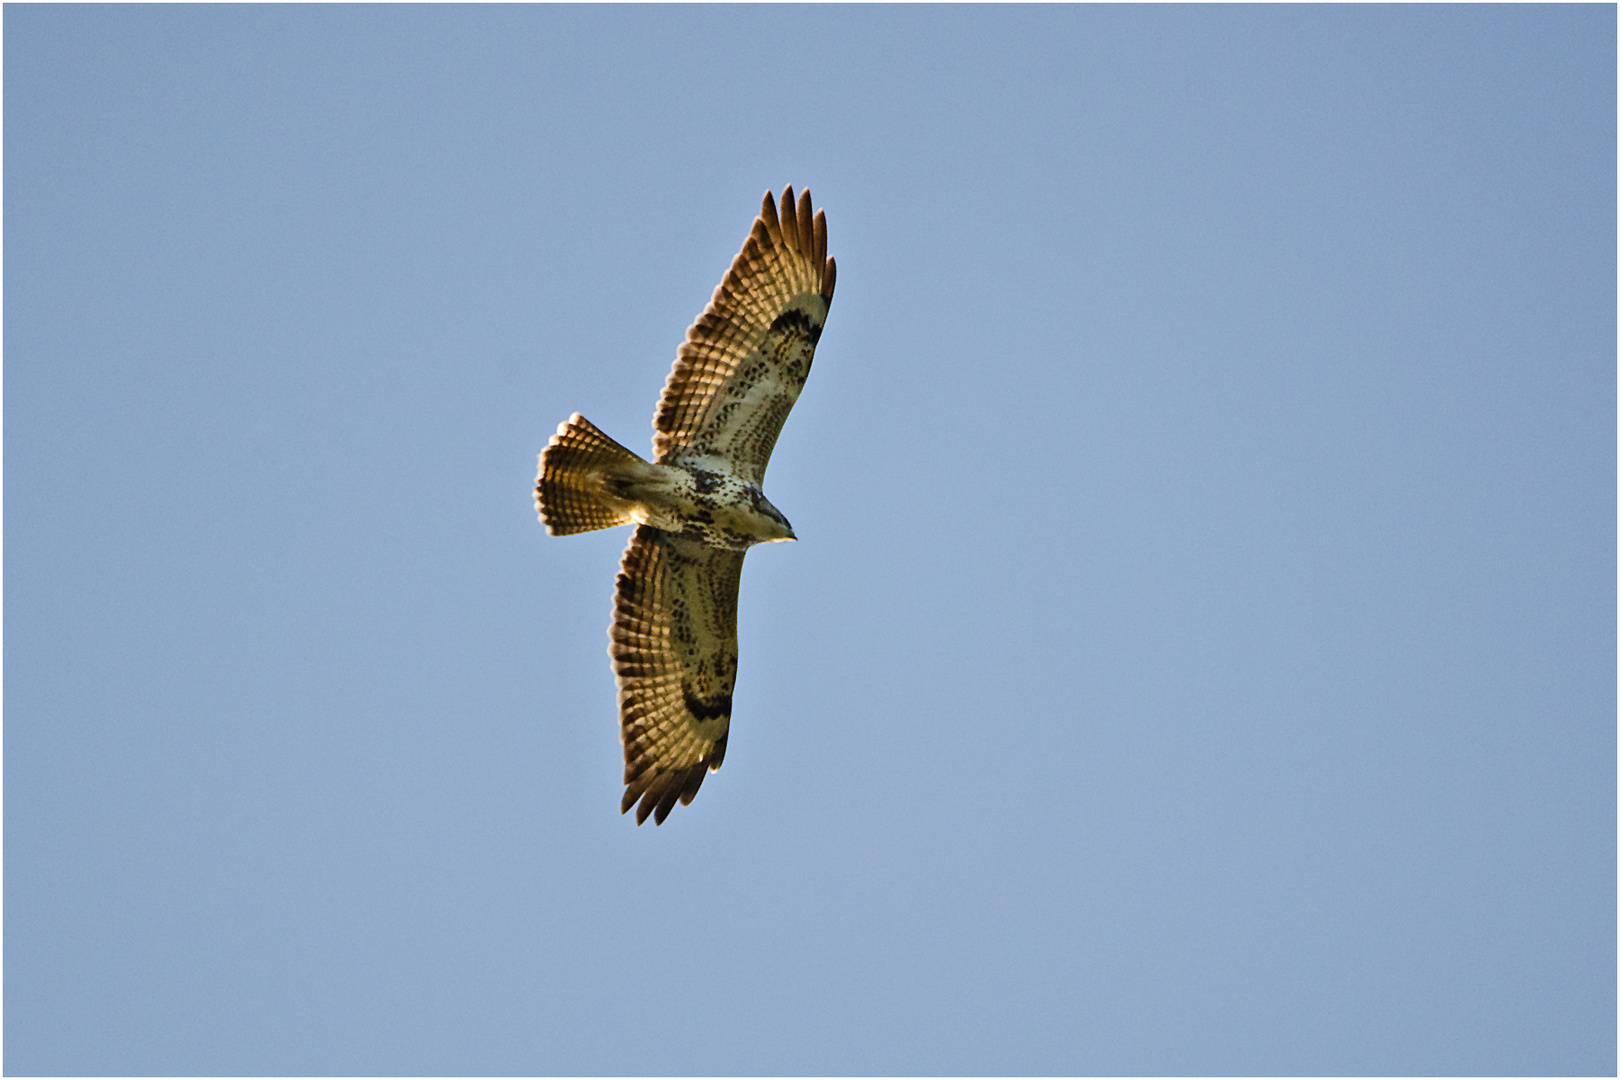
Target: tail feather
[(569, 491)]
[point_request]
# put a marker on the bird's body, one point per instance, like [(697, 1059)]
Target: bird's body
[(700, 497), (698, 506)]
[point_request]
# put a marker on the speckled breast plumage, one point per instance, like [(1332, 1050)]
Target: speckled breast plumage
[(703, 500)]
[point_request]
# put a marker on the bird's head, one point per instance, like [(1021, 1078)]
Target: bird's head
[(774, 525)]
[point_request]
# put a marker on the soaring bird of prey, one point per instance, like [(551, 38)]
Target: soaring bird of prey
[(697, 505)]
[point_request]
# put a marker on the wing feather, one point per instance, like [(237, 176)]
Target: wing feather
[(746, 357), (674, 649), (790, 222)]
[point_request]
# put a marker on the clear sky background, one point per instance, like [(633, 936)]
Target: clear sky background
[(1199, 654)]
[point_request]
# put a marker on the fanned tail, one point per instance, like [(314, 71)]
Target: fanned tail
[(569, 492)]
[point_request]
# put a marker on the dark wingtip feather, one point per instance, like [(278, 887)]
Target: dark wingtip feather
[(666, 802), (767, 215), (790, 220), (650, 799), (694, 780), (807, 233), (829, 278)]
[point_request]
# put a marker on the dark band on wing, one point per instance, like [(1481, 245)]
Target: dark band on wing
[(797, 321), (714, 708)]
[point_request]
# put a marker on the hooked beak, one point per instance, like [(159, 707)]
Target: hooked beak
[(764, 506)]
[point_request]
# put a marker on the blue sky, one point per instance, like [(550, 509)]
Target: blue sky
[(1199, 651)]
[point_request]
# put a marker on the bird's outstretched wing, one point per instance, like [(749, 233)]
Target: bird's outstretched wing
[(674, 649), (745, 359)]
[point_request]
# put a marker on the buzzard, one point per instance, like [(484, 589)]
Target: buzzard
[(697, 505)]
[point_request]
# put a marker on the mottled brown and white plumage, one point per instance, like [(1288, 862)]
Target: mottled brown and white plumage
[(697, 505)]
